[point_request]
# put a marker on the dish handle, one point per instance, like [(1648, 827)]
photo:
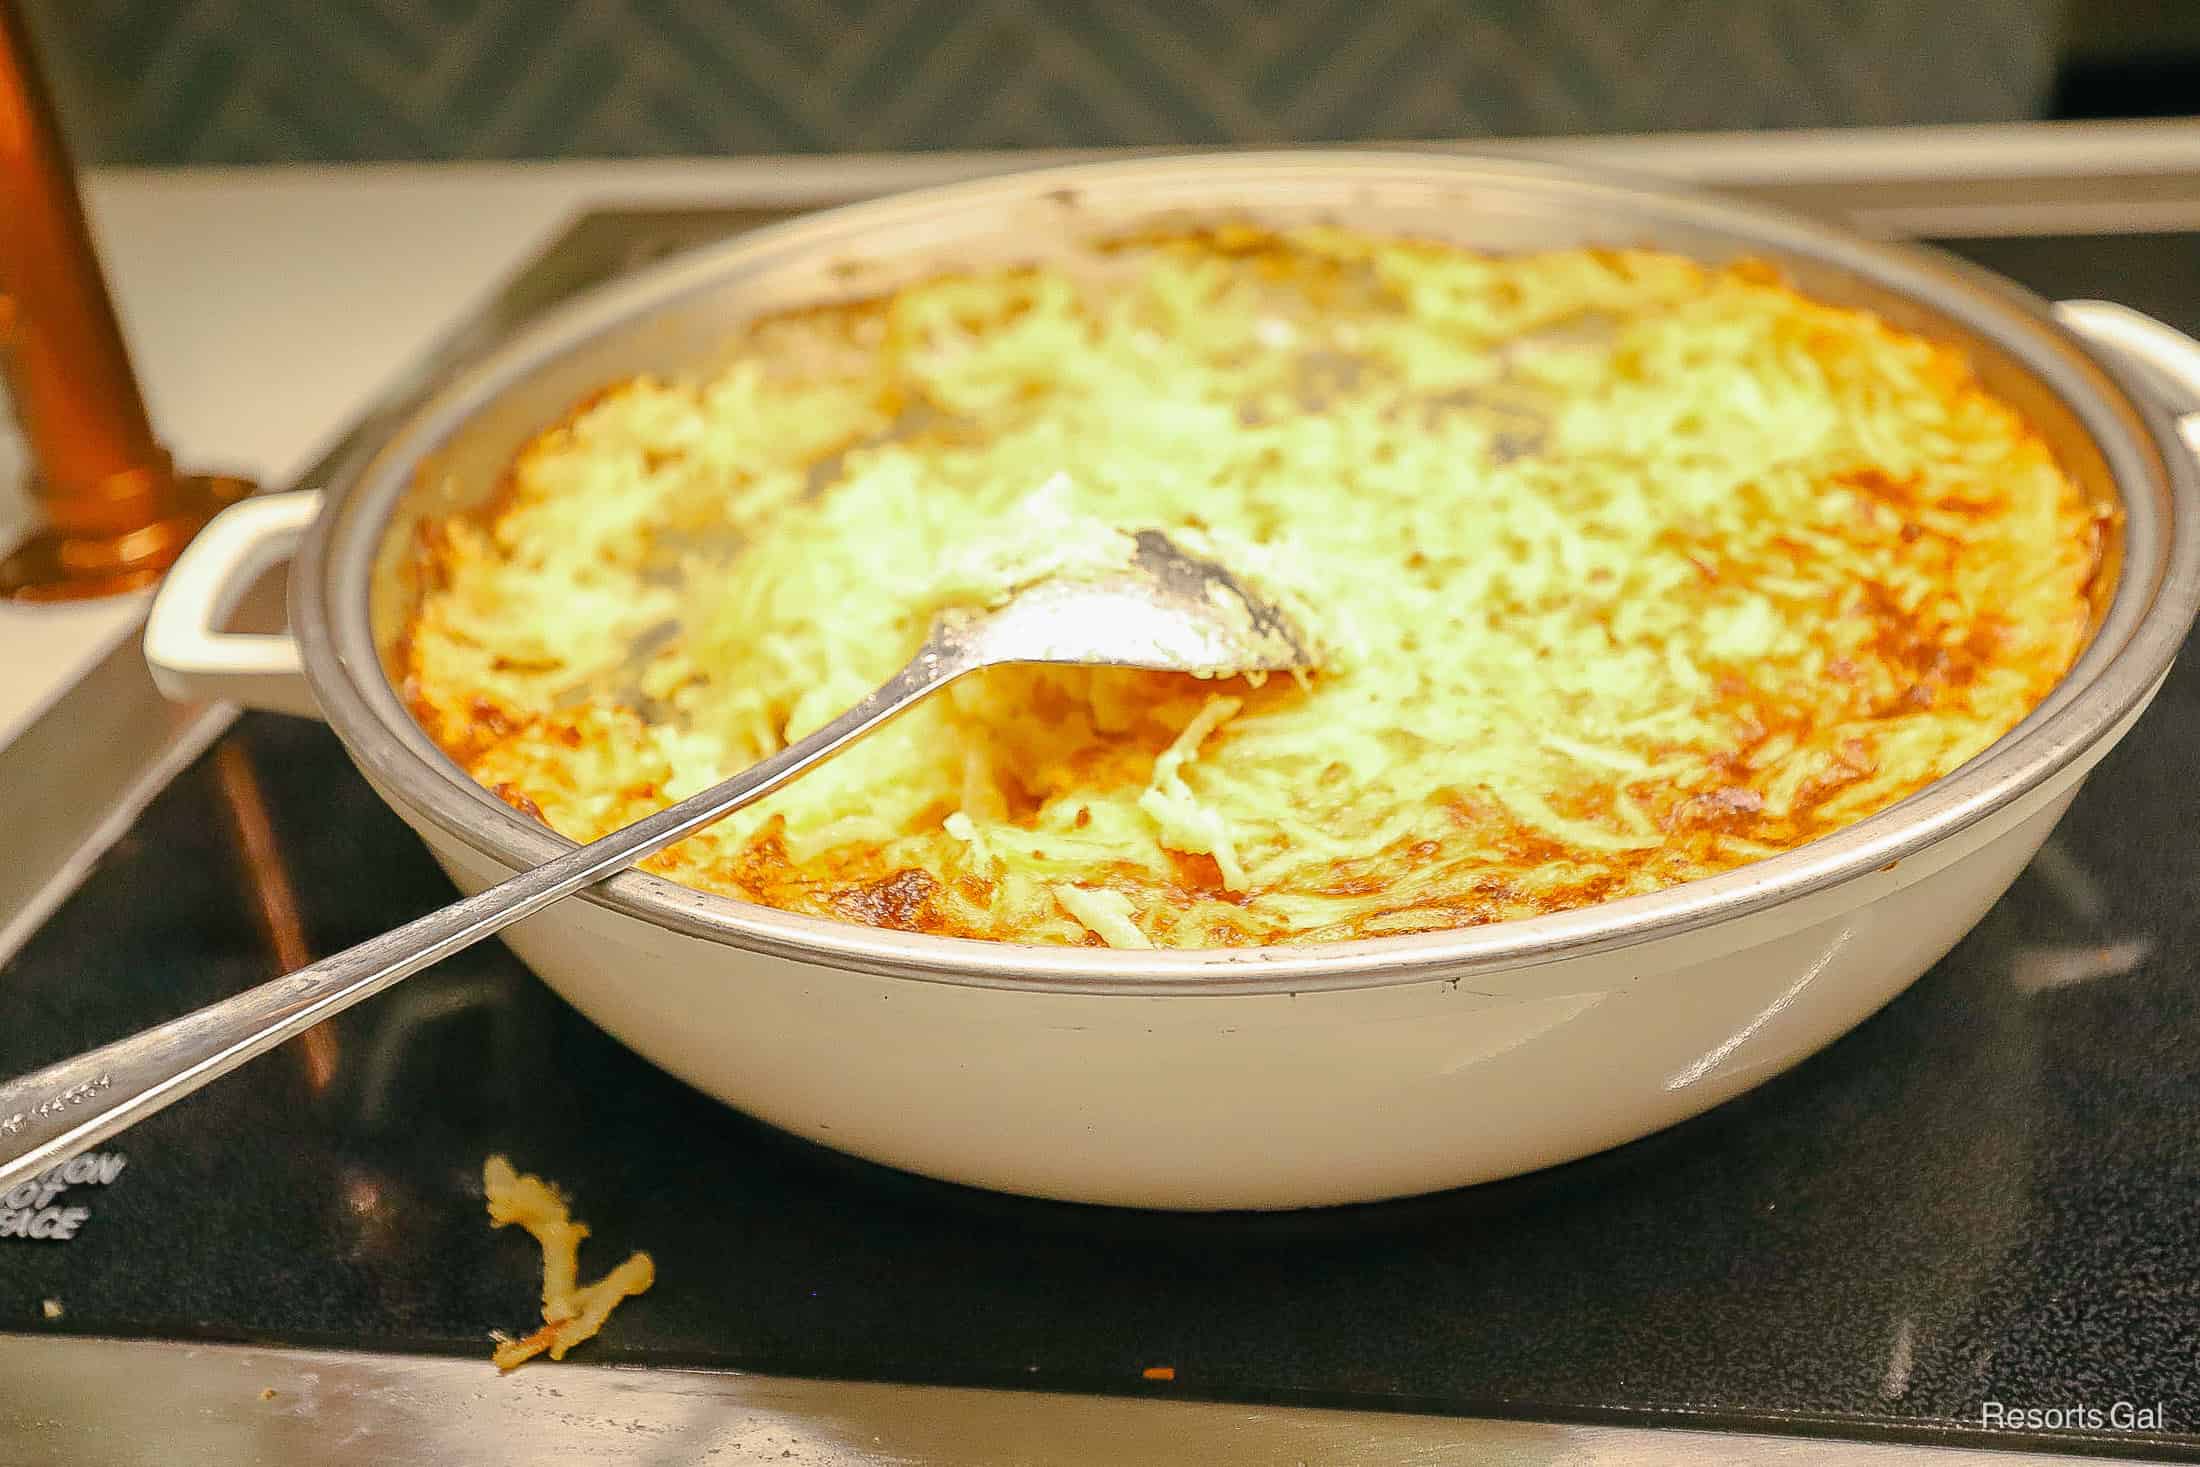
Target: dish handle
[(2169, 359), (193, 660)]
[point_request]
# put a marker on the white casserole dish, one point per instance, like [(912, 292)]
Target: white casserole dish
[(1232, 1078)]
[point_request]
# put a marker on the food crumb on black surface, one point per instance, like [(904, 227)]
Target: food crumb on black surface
[(572, 1312)]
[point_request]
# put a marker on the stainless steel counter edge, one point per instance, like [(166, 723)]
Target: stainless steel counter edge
[(2014, 178), (1949, 182), (73, 1401)]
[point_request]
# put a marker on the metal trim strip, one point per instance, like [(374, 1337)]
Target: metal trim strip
[(77, 1400)]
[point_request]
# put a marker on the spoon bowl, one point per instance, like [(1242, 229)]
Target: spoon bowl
[(1164, 610)]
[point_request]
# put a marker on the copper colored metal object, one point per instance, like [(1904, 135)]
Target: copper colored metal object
[(274, 894), (116, 511)]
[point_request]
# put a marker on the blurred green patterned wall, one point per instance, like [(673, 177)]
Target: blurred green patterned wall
[(235, 81)]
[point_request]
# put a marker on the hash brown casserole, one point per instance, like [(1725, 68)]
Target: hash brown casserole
[(1625, 570)]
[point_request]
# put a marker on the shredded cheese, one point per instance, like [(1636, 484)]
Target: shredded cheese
[(1626, 570), (1184, 824), (1107, 914)]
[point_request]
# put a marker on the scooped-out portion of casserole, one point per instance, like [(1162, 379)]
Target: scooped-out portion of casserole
[(1625, 571)]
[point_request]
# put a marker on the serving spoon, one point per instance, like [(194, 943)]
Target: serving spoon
[(1163, 609)]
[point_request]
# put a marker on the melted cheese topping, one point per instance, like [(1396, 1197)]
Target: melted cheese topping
[(1626, 571)]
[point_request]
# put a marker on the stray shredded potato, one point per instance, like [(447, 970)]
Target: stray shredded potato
[(571, 1312)]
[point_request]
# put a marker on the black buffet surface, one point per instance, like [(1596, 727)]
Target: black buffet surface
[(1986, 1199)]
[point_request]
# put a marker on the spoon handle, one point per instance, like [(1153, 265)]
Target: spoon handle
[(51, 1115)]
